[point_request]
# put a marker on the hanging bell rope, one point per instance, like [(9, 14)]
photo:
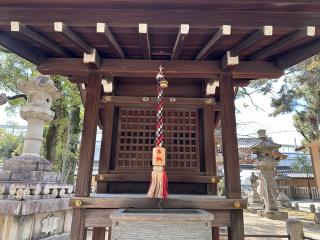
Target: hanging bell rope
[(159, 181)]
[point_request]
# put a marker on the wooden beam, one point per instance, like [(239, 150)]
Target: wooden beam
[(180, 41), (183, 69), (35, 36), (87, 148), (298, 55), (111, 40), (230, 152), (172, 202), (225, 30), (104, 161), (254, 38), (209, 147), (236, 229), (158, 17), (253, 70), (78, 231), (72, 36), (16, 47), (284, 43), (106, 145), (144, 40), (145, 177), (169, 101), (229, 137)]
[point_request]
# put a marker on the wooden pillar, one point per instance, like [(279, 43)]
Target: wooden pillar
[(87, 148), (230, 152), (104, 162), (209, 147)]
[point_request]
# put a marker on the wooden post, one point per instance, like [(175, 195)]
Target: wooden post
[(104, 162), (230, 152), (209, 147), (87, 148)]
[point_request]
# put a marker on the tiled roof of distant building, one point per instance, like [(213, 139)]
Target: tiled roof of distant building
[(294, 174)]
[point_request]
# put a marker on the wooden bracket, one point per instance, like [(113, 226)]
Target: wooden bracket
[(107, 85), (92, 59), (229, 61), (211, 86)]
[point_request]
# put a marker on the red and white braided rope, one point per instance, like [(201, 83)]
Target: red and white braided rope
[(160, 117)]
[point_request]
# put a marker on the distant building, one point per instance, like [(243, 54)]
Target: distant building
[(292, 154)]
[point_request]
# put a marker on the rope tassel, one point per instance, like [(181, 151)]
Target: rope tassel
[(159, 180)]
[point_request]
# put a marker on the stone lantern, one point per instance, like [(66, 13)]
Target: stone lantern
[(30, 192), (40, 92), (266, 163), (254, 195)]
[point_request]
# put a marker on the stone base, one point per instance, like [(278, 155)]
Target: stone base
[(27, 163), (154, 224), (274, 215), (35, 219), (28, 169)]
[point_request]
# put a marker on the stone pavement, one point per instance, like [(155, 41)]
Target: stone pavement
[(253, 224)]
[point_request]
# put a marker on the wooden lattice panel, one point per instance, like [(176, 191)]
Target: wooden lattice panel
[(136, 134)]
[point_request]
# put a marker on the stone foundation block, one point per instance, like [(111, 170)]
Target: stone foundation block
[(167, 224)]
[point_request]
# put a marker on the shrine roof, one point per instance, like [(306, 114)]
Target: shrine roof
[(268, 34)]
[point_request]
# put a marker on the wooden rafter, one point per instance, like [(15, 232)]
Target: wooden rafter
[(111, 40), (73, 37), (298, 55), (35, 36), (144, 40), (284, 43), (225, 30), (254, 38), (148, 68), (180, 41), (90, 56), (16, 47)]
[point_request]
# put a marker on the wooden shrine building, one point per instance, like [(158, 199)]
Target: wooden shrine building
[(113, 50)]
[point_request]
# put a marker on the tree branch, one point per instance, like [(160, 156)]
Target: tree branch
[(17, 96)]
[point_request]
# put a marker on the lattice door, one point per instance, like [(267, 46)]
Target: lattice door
[(136, 133)]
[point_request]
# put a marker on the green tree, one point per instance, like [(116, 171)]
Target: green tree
[(10, 145), (61, 136), (299, 94), (302, 164)]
